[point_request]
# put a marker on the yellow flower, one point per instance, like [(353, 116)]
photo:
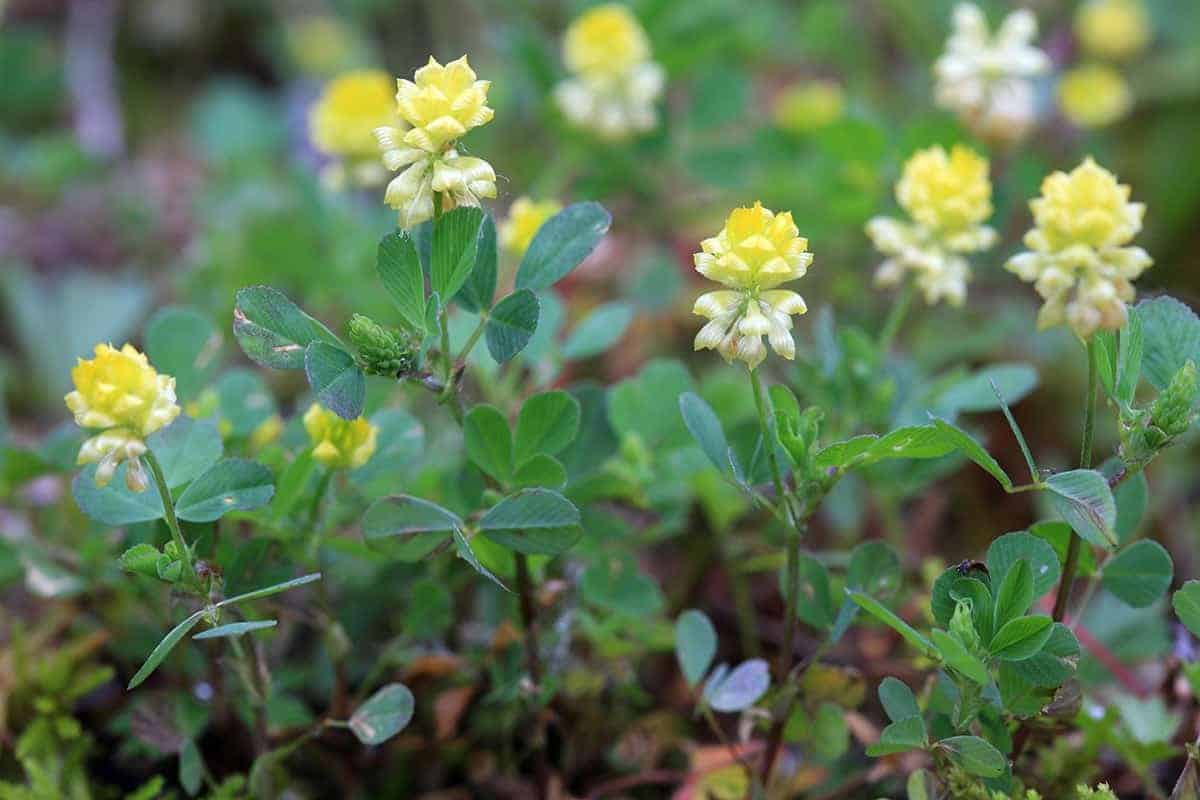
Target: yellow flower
[(525, 219), (985, 77), (809, 106), (267, 432), (756, 251), (442, 103), (119, 393), (1084, 222), (343, 120), (948, 197), (339, 443), (1094, 95), (605, 40), (1113, 29)]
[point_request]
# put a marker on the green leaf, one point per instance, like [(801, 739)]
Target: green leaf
[(1058, 535), (953, 584), (335, 379), (704, 425), (412, 527), (541, 470), (1015, 595), (874, 569), (966, 444), (399, 269), (533, 521), (975, 394), (267, 591), (915, 441), (141, 559), (1139, 574), (614, 582), (385, 714), (814, 601), (480, 289), (1016, 431), (191, 767), (1186, 603), (272, 330), (561, 244), (741, 687), (1083, 499), (957, 657), (464, 550), (1010, 548), (695, 644), (243, 400), (1020, 638), (899, 737), (840, 454), (163, 649), (598, 331), (1053, 664), (975, 756), (455, 243), (114, 504), (548, 422), (1132, 496), (488, 442), (898, 700), (233, 484), (236, 628), (886, 616), (511, 324), (1129, 359), (647, 405), (183, 343), (185, 449), (1170, 338)]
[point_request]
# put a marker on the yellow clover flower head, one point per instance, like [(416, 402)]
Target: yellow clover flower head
[(120, 394), (441, 104), (810, 106), (757, 251), (1094, 95), (948, 197), (1079, 259), (614, 84), (339, 443), (606, 39), (1113, 29), (342, 125), (525, 219), (986, 78)]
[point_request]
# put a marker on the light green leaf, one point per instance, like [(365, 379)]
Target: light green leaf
[(839, 454), (511, 324), (480, 289), (548, 422), (141, 559), (272, 330), (183, 343), (163, 649), (966, 444), (975, 755), (897, 699), (1170, 338), (236, 629), (1020, 638), (1085, 502), (1010, 548), (408, 527), (185, 449), (541, 470), (533, 521), (695, 644), (335, 379), (383, 715), (455, 243), (899, 737), (1186, 603), (234, 484), (598, 331), (114, 504), (957, 657), (399, 269), (561, 244), (889, 618), (488, 442), (704, 425), (975, 394), (1139, 574), (1015, 594)]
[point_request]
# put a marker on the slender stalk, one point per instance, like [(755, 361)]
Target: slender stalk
[(895, 318), (534, 665), (185, 553), (765, 426), (1085, 462), (473, 338), (743, 602)]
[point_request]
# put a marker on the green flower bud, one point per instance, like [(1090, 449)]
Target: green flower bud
[(381, 351), (1173, 411), (963, 627)]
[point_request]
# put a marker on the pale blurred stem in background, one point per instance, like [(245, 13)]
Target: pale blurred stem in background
[(185, 554), (743, 603), (92, 77), (1085, 462), (257, 688), (895, 317)]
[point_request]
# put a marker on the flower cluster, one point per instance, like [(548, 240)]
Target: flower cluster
[(1079, 259), (1095, 94), (121, 395), (985, 79), (614, 84), (342, 122), (440, 104), (948, 197), (1112, 29), (757, 251), (525, 219), (339, 443)]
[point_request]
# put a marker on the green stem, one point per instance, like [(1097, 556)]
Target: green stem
[(473, 338), (895, 318), (1085, 462), (185, 553), (767, 429)]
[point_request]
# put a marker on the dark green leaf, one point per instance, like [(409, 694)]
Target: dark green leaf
[(1006, 550), (548, 422), (511, 324), (533, 521), (975, 756), (898, 700), (599, 331), (874, 569), (966, 444), (399, 269), (1085, 502), (233, 484), (695, 644), (1015, 595), (704, 425), (236, 629), (185, 449), (488, 442), (480, 289), (1186, 603), (272, 330), (455, 243), (541, 470), (1139, 574), (114, 504), (383, 715), (267, 591), (335, 379), (163, 649), (561, 244), (1170, 338), (183, 343), (412, 526), (899, 737), (1020, 638)]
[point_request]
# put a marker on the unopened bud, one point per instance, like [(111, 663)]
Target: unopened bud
[(381, 351), (1173, 411), (962, 626)]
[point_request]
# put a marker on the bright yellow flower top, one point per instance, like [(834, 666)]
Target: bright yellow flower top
[(343, 120), (339, 443), (1079, 259), (756, 251), (525, 219), (1094, 95), (442, 103), (605, 40), (946, 192), (120, 394), (809, 106), (948, 196), (1113, 29)]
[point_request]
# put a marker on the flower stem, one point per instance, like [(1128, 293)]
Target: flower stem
[(1085, 462), (185, 553), (895, 318)]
